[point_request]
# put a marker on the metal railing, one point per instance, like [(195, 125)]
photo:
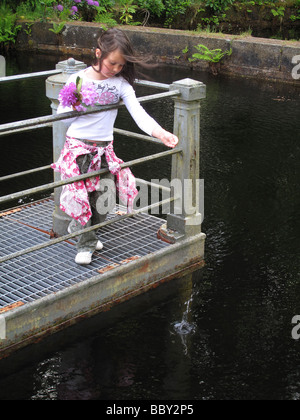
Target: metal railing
[(7, 79), (182, 93)]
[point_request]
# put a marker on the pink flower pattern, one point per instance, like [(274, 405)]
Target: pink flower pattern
[(74, 199), (106, 98)]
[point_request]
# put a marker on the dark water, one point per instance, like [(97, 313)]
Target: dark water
[(222, 333)]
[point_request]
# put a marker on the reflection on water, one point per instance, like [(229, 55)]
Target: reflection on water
[(223, 333)]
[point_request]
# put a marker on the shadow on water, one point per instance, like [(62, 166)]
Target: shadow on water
[(225, 332)]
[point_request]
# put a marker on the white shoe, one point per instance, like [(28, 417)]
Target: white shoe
[(84, 258), (99, 246)]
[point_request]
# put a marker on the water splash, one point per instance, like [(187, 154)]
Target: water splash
[(184, 327)]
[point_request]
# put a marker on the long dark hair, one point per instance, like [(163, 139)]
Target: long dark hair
[(115, 39)]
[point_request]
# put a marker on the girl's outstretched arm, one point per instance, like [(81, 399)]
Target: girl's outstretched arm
[(167, 138)]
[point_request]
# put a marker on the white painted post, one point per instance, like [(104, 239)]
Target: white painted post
[(54, 84), (185, 218)]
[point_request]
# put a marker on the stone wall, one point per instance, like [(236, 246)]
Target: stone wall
[(252, 57)]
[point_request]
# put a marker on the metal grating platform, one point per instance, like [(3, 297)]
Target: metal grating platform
[(32, 276)]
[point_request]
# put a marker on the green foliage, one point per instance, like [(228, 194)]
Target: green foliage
[(218, 5), (175, 8), (127, 10), (213, 56), (8, 27), (57, 27), (212, 22), (295, 17), (278, 12), (33, 10), (208, 15), (106, 19), (154, 7)]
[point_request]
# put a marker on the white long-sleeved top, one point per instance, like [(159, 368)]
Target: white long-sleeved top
[(99, 126)]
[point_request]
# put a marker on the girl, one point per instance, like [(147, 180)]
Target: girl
[(89, 140)]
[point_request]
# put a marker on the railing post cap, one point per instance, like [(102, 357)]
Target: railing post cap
[(56, 82), (71, 65), (191, 90)]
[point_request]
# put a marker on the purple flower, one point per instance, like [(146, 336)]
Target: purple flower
[(80, 108), (88, 96), (90, 2), (77, 1), (75, 9), (67, 96), (96, 3), (60, 8)]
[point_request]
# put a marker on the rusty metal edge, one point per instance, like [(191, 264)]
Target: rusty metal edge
[(38, 337)]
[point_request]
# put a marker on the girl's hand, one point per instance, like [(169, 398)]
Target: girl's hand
[(74, 106), (167, 138)]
